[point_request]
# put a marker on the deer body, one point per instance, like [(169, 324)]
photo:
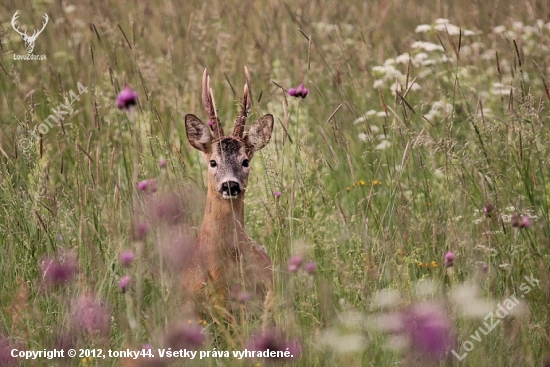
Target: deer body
[(225, 258)]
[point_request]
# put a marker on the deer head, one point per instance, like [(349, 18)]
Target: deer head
[(228, 157), (29, 40)]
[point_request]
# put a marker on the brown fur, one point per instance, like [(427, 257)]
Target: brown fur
[(225, 259)]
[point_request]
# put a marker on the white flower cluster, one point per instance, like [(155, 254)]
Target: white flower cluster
[(439, 109), (421, 54), (443, 25)]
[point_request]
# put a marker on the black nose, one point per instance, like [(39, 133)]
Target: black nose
[(231, 188)]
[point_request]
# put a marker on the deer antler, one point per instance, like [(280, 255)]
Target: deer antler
[(36, 33), (246, 104), (210, 106), (14, 22)]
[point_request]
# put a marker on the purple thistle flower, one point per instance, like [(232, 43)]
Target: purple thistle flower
[(243, 297), (525, 222), (149, 186), (185, 336), (89, 315), (299, 92), (302, 91), (429, 330), (162, 163), (514, 219), (294, 263), (167, 209), (239, 296), (140, 231), (274, 341), (176, 248), (65, 341), (57, 272), (488, 208), (449, 259), (124, 283), (126, 98), (277, 194), (142, 186), (6, 347), (126, 258), (310, 267)]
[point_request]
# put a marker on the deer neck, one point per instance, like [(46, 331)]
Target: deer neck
[(223, 221)]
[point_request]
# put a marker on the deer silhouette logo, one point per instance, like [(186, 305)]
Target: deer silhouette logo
[(29, 40)]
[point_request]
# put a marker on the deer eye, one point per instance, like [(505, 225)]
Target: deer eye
[(246, 163), (213, 164)]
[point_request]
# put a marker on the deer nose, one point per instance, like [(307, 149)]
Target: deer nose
[(231, 188)]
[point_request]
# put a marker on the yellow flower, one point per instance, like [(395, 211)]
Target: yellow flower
[(420, 264), (361, 182), (347, 189), (376, 182), (434, 264)]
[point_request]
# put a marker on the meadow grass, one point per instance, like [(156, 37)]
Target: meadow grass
[(412, 142)]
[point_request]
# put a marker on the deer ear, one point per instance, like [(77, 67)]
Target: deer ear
[(198, 134), (259, 134)]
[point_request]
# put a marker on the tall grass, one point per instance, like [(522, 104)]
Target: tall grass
[(389, 162)]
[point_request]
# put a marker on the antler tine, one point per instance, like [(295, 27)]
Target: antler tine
[(246, 104), (14, 22), (46, 18), (210, 105)]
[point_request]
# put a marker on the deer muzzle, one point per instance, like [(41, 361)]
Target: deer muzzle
[(230, 190)]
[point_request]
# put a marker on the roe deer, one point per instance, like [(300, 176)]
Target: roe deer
[(225, 259)]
